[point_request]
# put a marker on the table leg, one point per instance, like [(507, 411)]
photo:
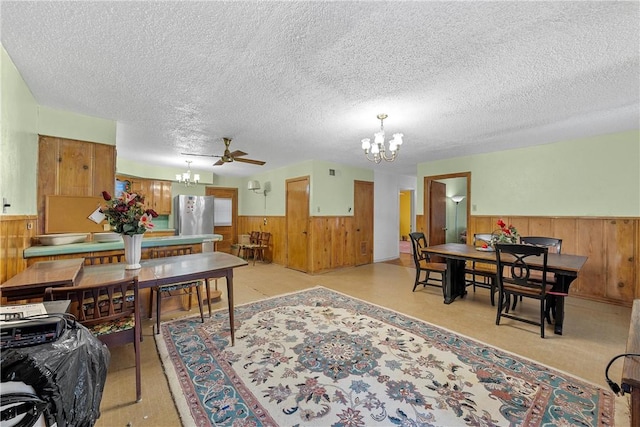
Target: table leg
[(558, 293), (455, 283), (230, 299)]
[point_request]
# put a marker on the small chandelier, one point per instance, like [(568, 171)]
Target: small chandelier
[(375, 151), (185, 178)]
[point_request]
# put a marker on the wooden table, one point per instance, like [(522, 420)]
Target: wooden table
[(32, 282), (565, 267), (631, 367), (154, 272)]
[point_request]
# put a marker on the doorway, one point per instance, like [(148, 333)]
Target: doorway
[(406, 216), (435, 208)]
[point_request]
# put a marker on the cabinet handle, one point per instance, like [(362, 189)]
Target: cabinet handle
[(621, 284), (85, 167)]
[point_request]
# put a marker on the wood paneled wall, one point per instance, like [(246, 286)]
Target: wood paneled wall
[(612, 245), (276, 225), (331, 240), (16, 232)]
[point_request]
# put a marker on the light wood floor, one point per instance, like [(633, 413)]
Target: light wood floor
[(593, 333)]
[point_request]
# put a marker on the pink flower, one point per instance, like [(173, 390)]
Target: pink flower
[(145, 221)]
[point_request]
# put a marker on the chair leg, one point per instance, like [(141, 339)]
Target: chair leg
[(499, 311), (493, 292), (542, 316), (415, 284)]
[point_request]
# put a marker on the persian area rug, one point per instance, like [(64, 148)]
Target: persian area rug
[(322, 358)]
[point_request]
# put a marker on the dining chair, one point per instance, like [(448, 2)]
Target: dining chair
[(247, 249), (555, 247), (423, 262), (110, 311), (483, 275), (103, 259), (261, 247), (514, 279), (174, 289)]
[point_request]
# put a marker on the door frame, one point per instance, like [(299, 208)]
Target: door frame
[(427, 195)]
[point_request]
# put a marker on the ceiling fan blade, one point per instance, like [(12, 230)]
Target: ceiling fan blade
[(238, 153), (218, 163), (200, 155), (253, 162)]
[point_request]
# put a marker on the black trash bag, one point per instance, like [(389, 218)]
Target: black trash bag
[(68, 374)]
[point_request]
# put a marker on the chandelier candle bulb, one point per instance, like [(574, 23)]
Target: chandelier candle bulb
[(376, 152)]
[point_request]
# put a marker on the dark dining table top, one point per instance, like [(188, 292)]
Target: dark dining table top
[(559, 263)]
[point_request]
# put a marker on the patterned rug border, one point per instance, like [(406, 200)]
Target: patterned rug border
[(181, 401)]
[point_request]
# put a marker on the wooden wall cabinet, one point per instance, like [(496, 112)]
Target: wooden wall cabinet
[(68, 167), (157, 194)]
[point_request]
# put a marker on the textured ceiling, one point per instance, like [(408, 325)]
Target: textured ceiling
[(294, 81)]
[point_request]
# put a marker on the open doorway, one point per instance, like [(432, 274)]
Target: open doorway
[(438, 206), (406, 215)]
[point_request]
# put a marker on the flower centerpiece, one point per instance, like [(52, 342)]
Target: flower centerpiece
[(127, 215), (505, 234)]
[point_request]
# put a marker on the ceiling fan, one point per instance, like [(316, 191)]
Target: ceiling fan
[(228, 157)]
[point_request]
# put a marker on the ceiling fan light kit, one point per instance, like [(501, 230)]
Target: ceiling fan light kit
[(185, 177), (375, 151)]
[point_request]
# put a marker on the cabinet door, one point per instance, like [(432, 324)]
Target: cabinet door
[(104, 169), (162, 198), (75, 168)]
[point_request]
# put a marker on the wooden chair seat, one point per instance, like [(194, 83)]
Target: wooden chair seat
[(423, 263), (116, 325)]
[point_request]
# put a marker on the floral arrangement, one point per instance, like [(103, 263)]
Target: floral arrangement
[(505, 234), (126, 214)]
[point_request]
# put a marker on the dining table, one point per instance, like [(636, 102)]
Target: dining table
[(565, 267), (32, 282)]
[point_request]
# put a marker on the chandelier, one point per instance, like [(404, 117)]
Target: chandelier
[(375, 151), (185, 178)]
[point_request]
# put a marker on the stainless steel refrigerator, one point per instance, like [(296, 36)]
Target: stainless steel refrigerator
[(193, 215)]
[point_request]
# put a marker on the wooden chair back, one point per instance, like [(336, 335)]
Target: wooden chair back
[(170, 251), (554, 244), (110, 311), (104, 259)]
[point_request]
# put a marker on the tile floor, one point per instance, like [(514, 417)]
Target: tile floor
[(593, 333)]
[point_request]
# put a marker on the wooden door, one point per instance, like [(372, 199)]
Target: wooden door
[(363, 221), (437, 214), (229, 233), (298, 224)]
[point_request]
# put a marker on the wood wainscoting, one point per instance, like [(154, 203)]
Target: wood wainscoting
[(16, 232), (612, 245), (331, 240)]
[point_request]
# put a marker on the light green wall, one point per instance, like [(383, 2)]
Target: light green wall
[(75, 126), (595, 176), (22, 119), (331, 195), (18, 140)]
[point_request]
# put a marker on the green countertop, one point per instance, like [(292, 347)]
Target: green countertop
[(75, 248)]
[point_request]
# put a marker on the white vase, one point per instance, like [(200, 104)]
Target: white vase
[(132, 251)]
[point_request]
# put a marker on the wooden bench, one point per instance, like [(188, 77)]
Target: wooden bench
[(631, 367)]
